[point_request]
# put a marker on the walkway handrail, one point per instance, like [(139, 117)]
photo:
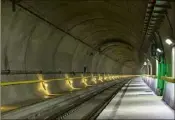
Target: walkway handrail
[(37, 81), (168, 79), (153, 76), (41, 79), (165, 78)]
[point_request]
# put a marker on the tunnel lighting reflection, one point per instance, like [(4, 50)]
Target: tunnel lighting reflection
[(168, 41), (7, 108), (43, 90), (105, 78), (45, 84), (100, 79), (158, 50), (69, 82), (84, 81), (43, 87), (94, 80)]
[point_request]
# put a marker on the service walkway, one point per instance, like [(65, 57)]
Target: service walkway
[(136, 101)]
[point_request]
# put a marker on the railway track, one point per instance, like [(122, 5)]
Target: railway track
[(85, 104), (89, 107)]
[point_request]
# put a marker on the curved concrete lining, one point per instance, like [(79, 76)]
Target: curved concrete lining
[(65, 36), (37, 45)]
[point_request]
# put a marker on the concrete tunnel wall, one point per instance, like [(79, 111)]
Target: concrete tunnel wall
[(29, 43), (168, 94), (166, 31)]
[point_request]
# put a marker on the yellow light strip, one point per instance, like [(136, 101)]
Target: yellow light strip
[(19, 82), (34, 81), (49, 80), (80, 77)]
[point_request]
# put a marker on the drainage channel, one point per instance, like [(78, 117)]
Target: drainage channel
[(90, 106)]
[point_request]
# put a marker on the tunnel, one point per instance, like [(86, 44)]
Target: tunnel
[(87, 59)]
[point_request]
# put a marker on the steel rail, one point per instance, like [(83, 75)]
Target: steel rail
[(66, 103), (73, 107)]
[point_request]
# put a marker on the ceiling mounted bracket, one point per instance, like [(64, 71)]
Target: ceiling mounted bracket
[(155, 14)]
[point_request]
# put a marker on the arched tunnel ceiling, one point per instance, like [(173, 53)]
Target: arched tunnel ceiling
[(96, 22)]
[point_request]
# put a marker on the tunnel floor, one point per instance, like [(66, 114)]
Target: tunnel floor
[(136, 101)]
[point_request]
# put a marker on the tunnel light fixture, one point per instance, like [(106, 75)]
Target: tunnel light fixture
[(45, 84), (158, 50), (94, 80), (7, 108), (144, 63), (69, 82), (84, 81), (169, 42)]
